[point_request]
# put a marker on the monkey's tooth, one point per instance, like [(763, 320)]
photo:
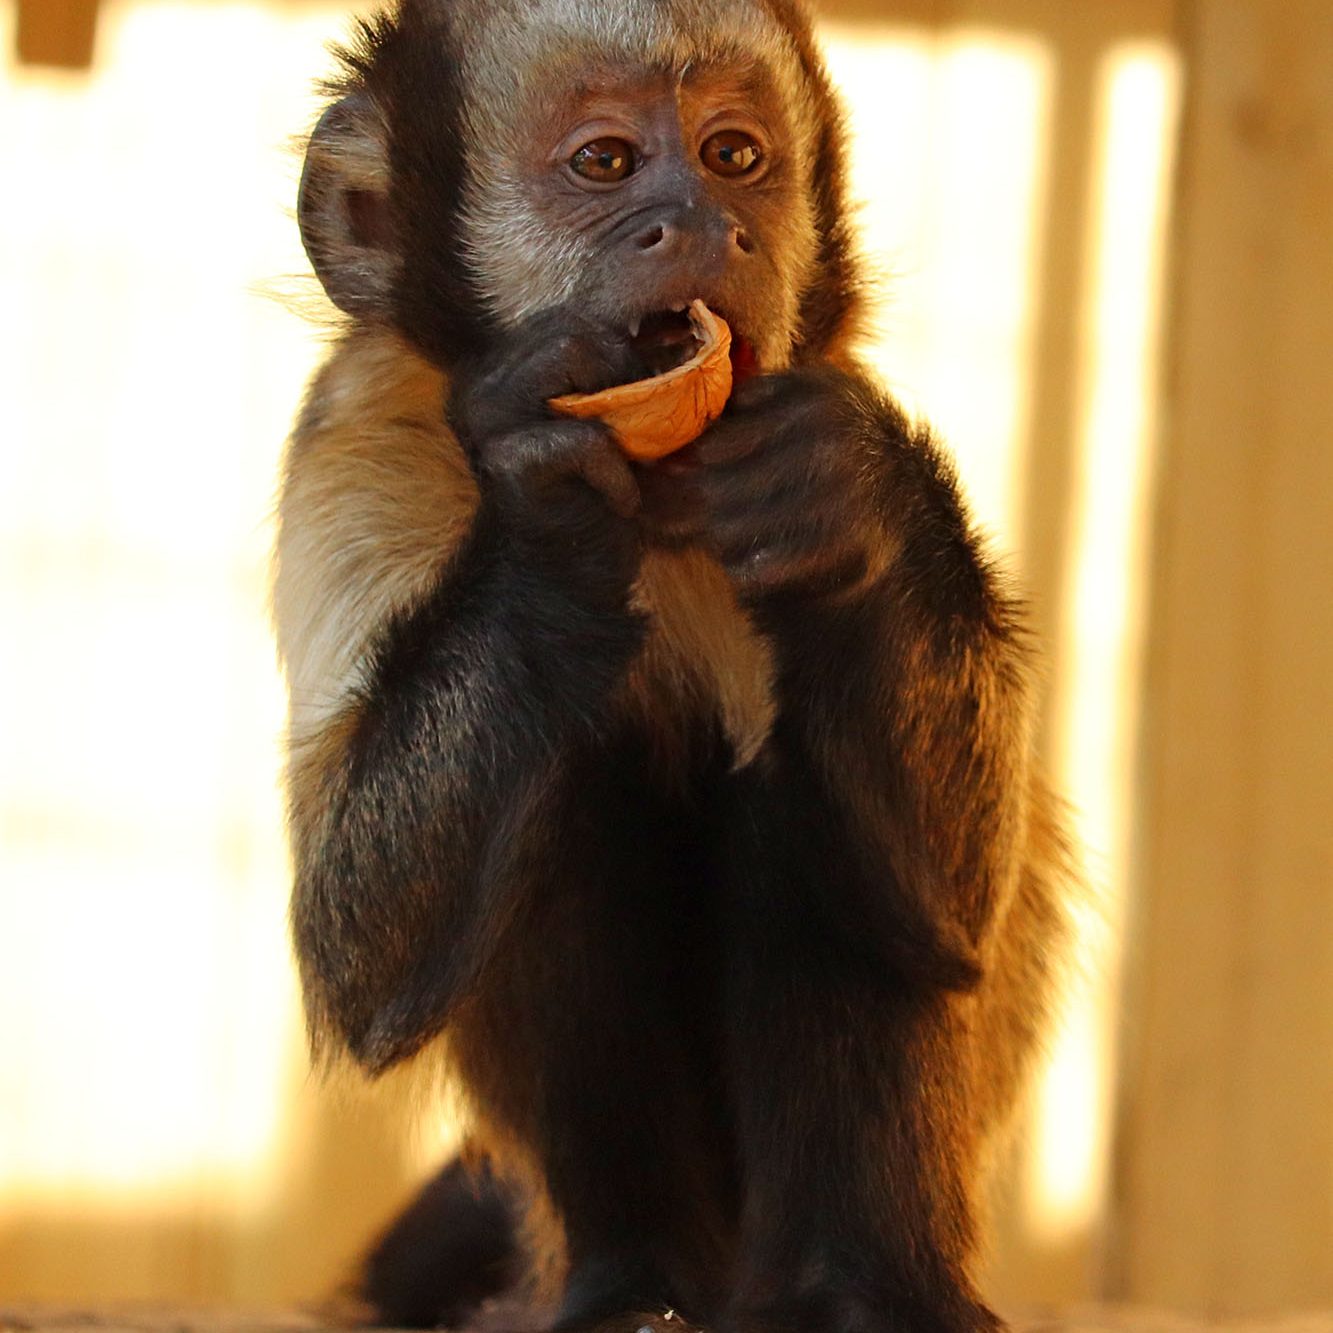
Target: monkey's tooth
[(634, 326)]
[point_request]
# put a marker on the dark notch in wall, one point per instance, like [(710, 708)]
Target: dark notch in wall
[(57, 32)]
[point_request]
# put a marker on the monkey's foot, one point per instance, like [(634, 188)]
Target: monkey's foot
[(842, 1313)]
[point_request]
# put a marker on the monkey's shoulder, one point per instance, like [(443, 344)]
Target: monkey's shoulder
[(372, 424), (375, 496)]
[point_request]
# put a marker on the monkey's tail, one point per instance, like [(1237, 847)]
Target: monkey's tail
[(452, 1249)]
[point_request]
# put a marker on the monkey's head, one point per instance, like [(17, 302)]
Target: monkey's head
[(487, 159)]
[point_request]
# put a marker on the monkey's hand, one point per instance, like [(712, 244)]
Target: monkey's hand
[(782, 488), (541, 468)]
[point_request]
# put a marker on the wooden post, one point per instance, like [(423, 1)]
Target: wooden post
[(1227, 1154), (57, 32)]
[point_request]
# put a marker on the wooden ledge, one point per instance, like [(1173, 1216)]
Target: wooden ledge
[(38, 1319)]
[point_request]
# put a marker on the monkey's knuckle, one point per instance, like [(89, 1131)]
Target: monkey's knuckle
[(760, 390), (812, 414), (746, 557), (566, 439), (562, 346), (576, 348), (504, 464)]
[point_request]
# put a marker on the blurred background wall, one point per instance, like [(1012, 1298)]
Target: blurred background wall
[(1104, 230)]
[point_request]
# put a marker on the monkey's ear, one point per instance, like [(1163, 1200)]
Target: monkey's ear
[(343, 207)]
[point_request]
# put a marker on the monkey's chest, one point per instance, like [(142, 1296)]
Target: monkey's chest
[(702, 659)]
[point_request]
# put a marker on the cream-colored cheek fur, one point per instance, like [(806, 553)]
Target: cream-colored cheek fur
[(377, 495)]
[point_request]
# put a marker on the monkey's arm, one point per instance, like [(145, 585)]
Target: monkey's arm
[(899, 753), (418, 812), (481, 641)]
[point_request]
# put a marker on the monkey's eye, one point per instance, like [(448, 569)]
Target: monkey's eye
[(730, 153), (604, 160)]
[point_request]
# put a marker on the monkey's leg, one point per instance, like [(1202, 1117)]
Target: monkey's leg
[(852, 1096), (590, 1046), (452, 1248)]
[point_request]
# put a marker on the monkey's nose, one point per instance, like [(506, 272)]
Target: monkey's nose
[(671, 239)]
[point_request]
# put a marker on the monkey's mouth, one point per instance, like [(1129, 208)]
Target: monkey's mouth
[(666, 339)]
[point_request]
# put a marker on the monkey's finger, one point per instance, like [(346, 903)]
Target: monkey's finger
[(729, 441), (749, 496), (811, 571), (776, 429), (737, 536), (673, 512), (796, 535), (510, 385), (565, 352), (607, 471), (545, 453), (762, 391)]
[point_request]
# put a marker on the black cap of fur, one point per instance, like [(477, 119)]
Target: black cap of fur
[(408, 64)]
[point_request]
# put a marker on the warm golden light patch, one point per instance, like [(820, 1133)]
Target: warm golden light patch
[(147, 1009), (949, 162), (1099, 662)]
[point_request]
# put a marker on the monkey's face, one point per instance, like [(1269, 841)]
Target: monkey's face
[(492, 160), (630, 192)]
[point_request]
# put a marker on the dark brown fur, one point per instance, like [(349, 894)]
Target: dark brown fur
[(707, 839)]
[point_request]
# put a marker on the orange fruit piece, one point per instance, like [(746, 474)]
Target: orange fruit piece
[(654, 417)]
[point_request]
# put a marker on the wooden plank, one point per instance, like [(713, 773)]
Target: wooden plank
[(1121, 19), (187, 1320), (1228, 1148), (57, 32)]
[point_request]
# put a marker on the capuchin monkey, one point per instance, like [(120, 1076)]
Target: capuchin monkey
[(686, 810)]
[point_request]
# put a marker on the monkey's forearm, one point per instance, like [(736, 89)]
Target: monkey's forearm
[(904, 709), (417, 812)]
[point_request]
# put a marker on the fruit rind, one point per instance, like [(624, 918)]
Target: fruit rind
[(654, 417)]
